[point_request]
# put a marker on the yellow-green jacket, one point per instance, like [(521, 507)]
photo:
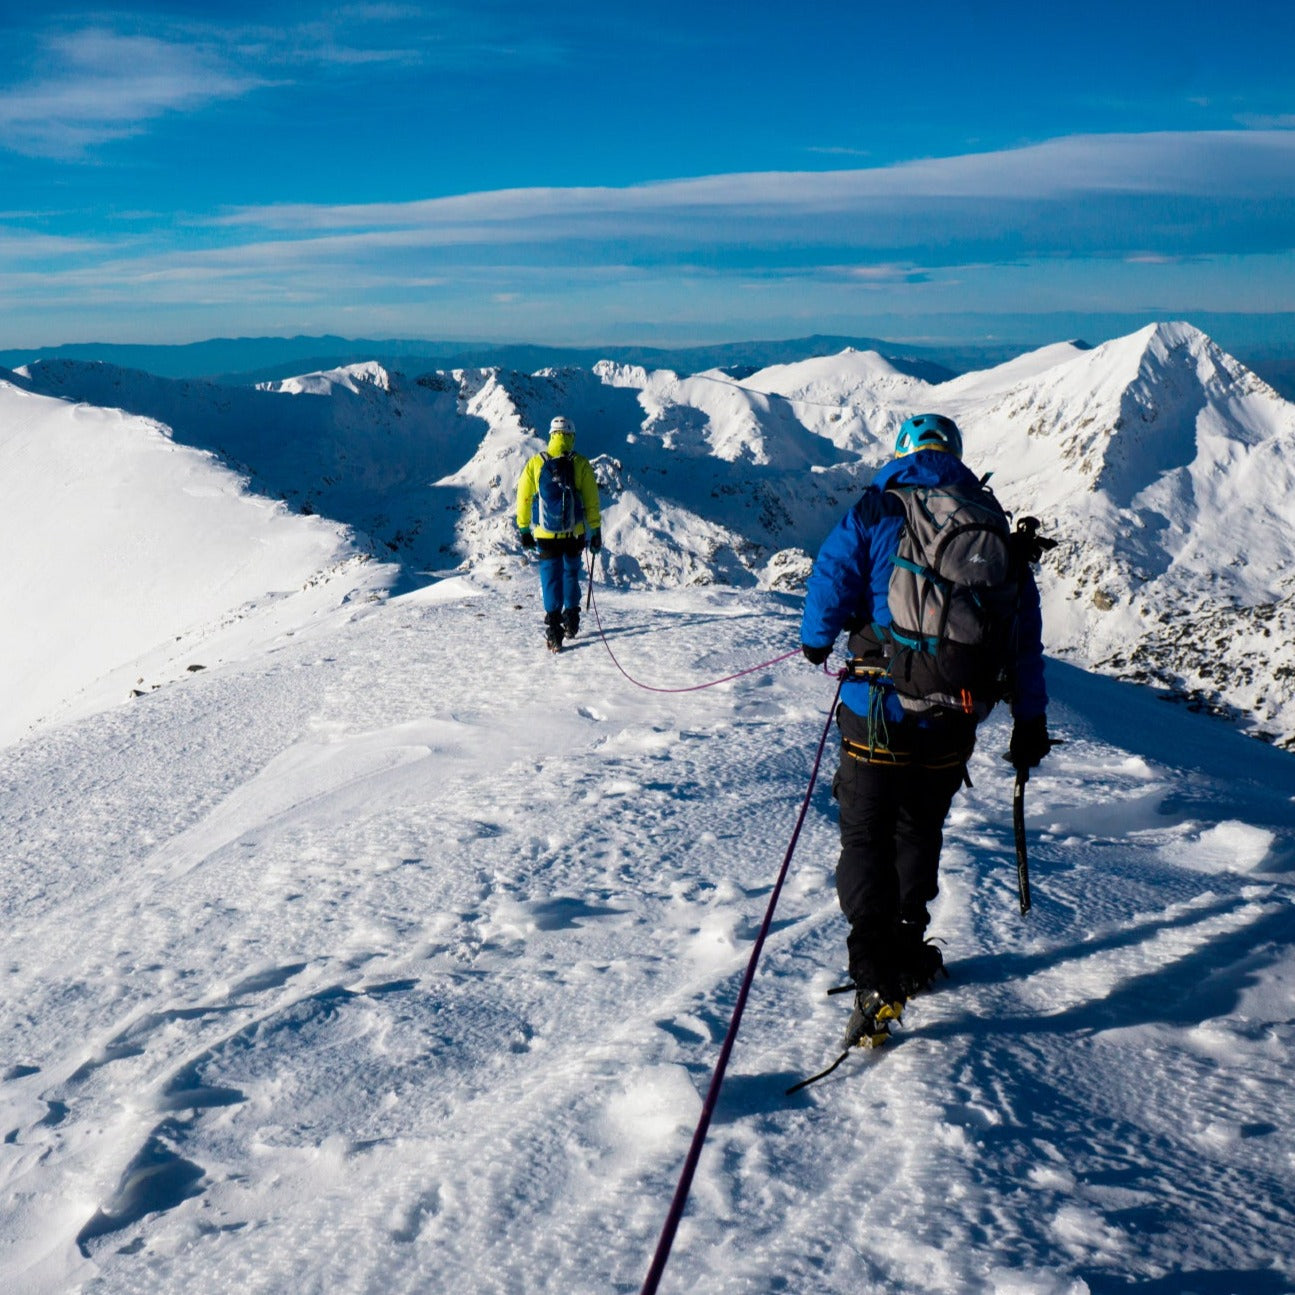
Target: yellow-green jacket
[(586, 485)]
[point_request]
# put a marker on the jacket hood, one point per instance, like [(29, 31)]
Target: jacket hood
[(924, 468), (562, 443)]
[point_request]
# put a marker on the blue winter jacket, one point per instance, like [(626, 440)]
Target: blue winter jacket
[(852, 574)]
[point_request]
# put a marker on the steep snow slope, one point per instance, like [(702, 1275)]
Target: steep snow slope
[(985, 384), (353, 445), (398, 958), (129, 559)]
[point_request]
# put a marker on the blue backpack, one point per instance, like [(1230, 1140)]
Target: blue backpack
[(561, 508)]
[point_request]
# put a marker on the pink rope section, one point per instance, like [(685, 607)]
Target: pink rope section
[(717, 1079), (696, 687)]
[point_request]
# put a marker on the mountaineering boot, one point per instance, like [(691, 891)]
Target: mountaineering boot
[(553, 631), (918, 959), (919, 967), (869, 1024), (571, 622)]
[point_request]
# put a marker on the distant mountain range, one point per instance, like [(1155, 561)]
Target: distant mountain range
[(1162, 464), (267, 359), (1265, 344)]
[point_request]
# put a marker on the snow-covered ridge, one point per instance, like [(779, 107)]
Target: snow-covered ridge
[(389, 952), (131, 559), (355, 378), (1165, 468), (398, 960)]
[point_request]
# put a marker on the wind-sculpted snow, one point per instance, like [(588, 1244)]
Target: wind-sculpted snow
[(369, 947), (398, 956)]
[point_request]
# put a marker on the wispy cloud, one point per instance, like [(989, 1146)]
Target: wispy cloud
[(1113, 195), (1084, 216), (98, 85), (1135, 198), (1238, 164), (19, 247), (838, 150), (1285, 121), (111, 79)]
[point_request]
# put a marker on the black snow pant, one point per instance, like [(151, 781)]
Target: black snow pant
[(893, 805)]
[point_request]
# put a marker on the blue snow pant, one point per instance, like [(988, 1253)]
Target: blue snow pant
[(560, 572)]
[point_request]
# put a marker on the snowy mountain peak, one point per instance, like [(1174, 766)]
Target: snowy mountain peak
[(628, 375), (1161, 462), (356, 378), (850, 368), (1121, 415)]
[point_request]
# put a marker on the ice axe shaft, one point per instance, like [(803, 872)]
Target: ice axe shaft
[(1022, 854), (1018, 825)]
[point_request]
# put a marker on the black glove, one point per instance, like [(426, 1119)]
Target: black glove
[(816, 655), (595, 541), (1030, 742), (528, 540)]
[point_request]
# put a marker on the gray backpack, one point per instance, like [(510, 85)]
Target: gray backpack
[(952, 596)]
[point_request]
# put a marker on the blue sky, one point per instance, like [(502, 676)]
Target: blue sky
[(671, 173)]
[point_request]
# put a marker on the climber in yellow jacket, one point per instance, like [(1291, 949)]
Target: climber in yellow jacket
[(557, 514)]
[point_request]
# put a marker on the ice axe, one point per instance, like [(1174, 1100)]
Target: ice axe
[(1018, 827), (1022, 854)]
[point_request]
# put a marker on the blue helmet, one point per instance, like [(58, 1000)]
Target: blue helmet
[(929, 432)]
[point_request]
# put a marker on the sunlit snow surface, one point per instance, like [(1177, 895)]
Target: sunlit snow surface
[(395, 956), (1161, 465), (353, 943)]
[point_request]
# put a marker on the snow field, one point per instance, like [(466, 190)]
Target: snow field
[(398, 958), (129, 550)]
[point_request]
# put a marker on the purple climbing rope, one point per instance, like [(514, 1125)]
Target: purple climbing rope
[(696, 687), (717, 1079)]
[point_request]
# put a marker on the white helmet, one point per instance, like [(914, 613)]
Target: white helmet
[(562, 424)]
